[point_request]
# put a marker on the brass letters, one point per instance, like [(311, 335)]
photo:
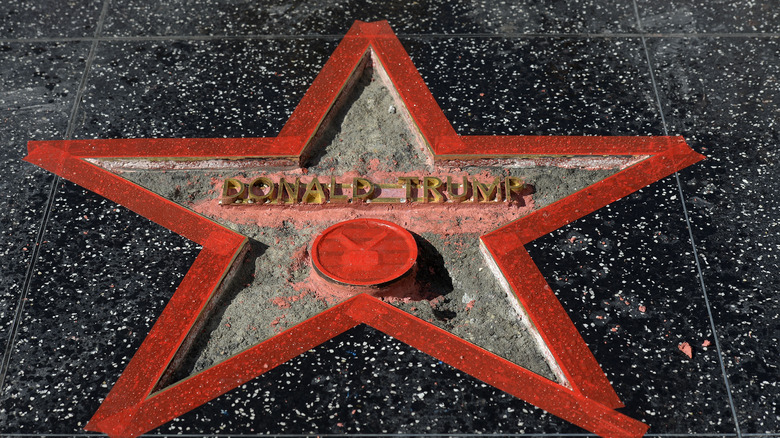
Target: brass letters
[(489, 192), (258, 194), (431, 186), (428, 190)]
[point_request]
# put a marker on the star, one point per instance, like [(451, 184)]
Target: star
[(583, 396)]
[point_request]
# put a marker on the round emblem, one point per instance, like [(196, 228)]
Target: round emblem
[(364, 252)]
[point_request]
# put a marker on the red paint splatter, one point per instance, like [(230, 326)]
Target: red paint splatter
[(444, 219), (706, 343), (298, 258), (470, 305), (686, 349), (436, 301), (281, 302), (285, 302)]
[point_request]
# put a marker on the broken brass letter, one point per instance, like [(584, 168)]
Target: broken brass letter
[(314, 193), (261, 190), (410, 183), (452, 188), (290, 189), (339, 199), (489, 192), (232, 191), (513, 184), (359, 184), (431, 186)]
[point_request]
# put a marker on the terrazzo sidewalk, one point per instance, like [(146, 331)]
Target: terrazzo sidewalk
[(691, 258)]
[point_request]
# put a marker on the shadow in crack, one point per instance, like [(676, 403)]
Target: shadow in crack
[(184, 362), (432, 276)]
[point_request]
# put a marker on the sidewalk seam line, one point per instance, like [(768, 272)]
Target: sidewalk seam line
[(688, 225), (6, 360)]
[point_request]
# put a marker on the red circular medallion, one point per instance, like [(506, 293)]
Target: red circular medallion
[(364, 252)]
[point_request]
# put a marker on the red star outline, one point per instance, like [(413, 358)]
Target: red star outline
[(588, 400)]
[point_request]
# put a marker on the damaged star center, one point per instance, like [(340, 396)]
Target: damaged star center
[(368, 140)]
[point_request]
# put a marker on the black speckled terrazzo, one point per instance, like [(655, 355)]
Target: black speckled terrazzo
[(90, 308), (761, 16), (322, 17), (724, 96), (541, 85), (125, 97), (39, 82), (634, 313), (692, 258), (49, 18)]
